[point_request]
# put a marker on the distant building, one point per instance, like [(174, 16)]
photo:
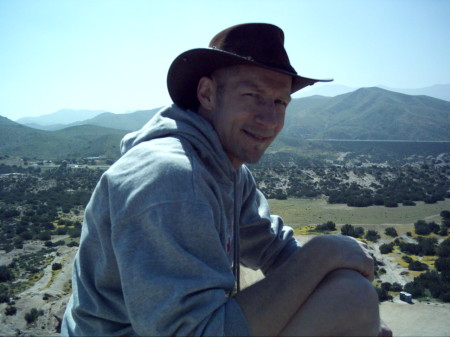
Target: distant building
[(406, 297)]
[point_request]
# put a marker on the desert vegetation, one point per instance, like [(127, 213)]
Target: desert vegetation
[(357, 186), (41, 210)]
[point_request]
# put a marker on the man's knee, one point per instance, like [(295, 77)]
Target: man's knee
[(356, 296)]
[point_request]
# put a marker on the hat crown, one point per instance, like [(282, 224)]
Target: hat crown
[(259, 42)]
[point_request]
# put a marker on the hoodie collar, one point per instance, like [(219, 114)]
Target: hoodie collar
[(186, 124)]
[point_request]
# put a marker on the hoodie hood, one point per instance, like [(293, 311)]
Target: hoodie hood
[(183, 124)]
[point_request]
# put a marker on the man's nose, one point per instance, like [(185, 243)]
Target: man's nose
[(267, 114)]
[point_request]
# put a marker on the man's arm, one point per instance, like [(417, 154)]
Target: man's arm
[(299, 288)]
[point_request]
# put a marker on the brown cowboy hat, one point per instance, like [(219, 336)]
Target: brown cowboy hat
[(257, 44)]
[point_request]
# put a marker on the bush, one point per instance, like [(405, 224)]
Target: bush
[(10, 311), (372, 235), (442, 264), (396, 287), (414, 288), (44, 236), (383, 294), (390, 203), (349, 230), (33, 315), (386, 286), (391, 231), (6, 274), (75, 232), (328, 226), (417, 266), (421, 227), (444, 248), (4, 298), (445, 214), (56, 266), (61, 231), (407, 259), (386, 248), (443, 231)]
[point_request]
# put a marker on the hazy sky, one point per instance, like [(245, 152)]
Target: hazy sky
[(114, 55)]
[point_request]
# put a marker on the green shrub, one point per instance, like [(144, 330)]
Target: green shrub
[(56, 266), (386, 248), (33, 315), (391, 231), (417, 266), (10, 310), (372, 235)]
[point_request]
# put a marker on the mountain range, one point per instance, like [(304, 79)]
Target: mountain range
[(369, 114), (59, 118), (363, 114), (440, 91)]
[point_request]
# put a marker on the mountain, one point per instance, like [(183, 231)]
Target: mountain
[(321, 89), (130, 121), (65, 116), (439, 91), (5, 121), (369, 113), (74, 142), (364, 114)]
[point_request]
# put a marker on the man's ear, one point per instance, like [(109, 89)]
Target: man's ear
[(206, 93)]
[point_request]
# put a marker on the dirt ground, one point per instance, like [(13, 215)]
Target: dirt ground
[(418, 319), (48, 294)]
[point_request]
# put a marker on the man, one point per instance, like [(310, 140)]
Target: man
[(169, 223)]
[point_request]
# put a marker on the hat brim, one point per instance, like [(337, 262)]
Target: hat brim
[(187, 69)]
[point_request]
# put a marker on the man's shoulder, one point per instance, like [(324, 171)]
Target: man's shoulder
[(155, 154), (163, 163)]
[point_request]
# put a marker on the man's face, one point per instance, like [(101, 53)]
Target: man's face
[(249, 109)]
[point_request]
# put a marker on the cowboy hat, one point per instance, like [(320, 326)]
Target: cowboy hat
[(257, 44)]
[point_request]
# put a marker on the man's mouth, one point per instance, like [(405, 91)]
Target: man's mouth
[(257, 137)]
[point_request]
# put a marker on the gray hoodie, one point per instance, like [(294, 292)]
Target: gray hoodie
[(156, 250)]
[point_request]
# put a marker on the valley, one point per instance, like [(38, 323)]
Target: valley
[(367, 164)]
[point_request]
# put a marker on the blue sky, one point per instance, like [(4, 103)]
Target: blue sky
[(114, 55)]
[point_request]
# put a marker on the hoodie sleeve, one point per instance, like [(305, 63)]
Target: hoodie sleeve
[(265, 241)]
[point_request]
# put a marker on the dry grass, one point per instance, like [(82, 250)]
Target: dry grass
[(316, 211)]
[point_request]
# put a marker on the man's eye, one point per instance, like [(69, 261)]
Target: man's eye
[(280, 102)]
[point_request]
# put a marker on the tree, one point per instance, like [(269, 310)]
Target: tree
[(414, 288), (421, 227), (442, 264)]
